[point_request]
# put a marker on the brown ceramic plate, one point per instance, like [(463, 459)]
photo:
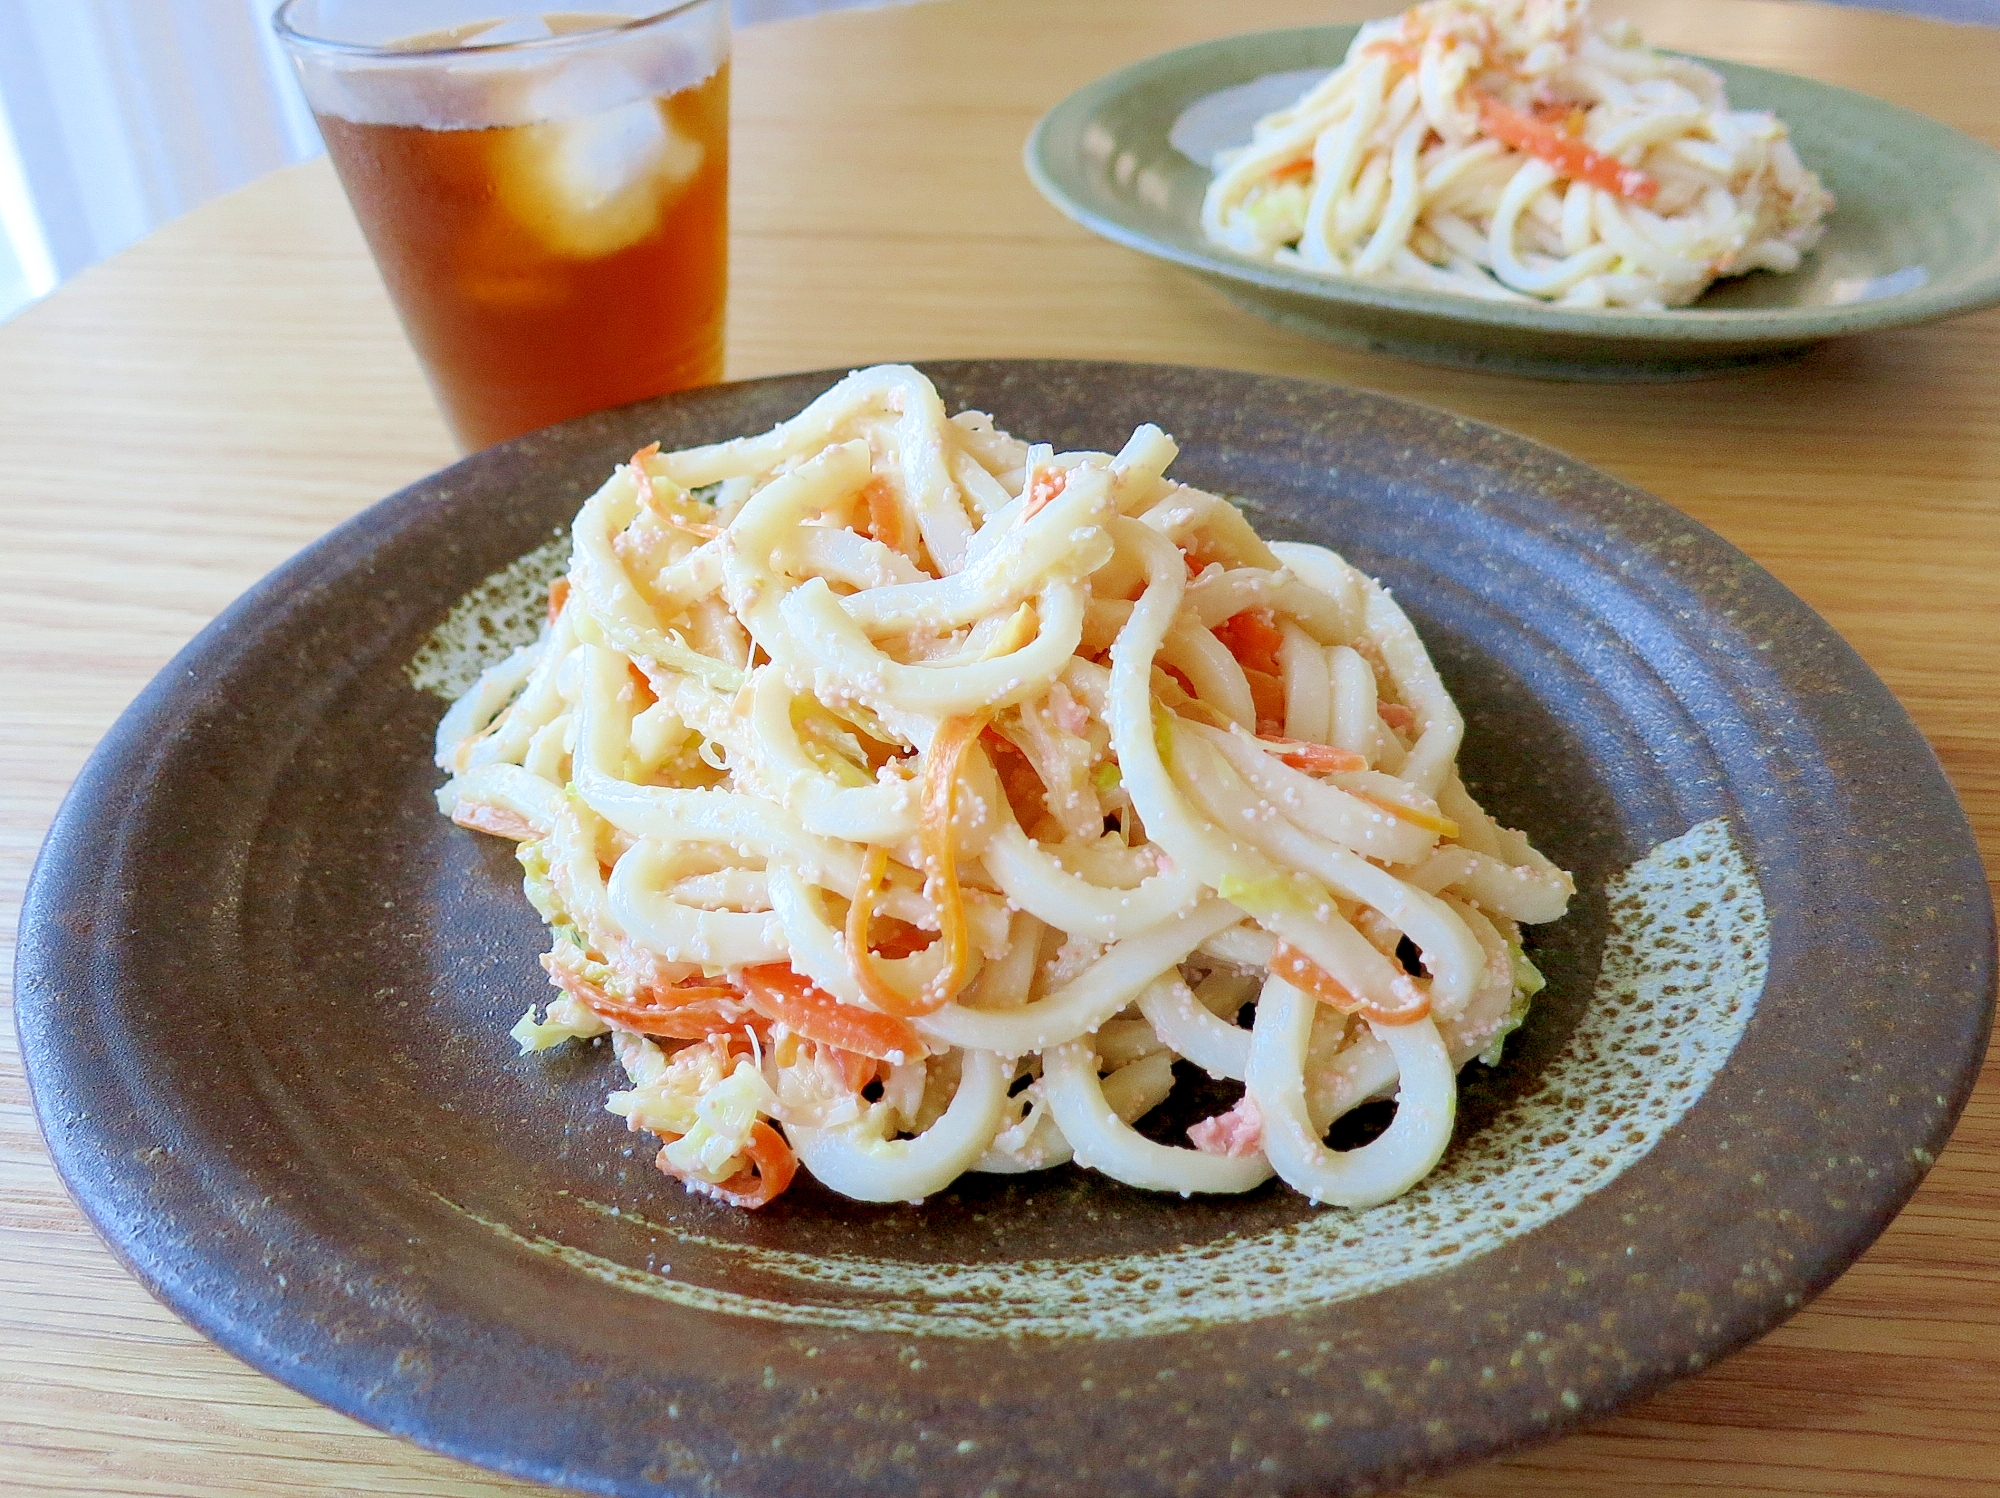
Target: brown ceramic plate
[(264, 988)]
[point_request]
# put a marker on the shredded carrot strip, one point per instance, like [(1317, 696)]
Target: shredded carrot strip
[(1396, 715), (1020, 782), (642, 684), (1043, 488), (1267, 694), (1253, 638), (695, 1021), (856, 1070), (1299, 970), (1430, 821), (640, 477), (773, 1161), (496, 821), (558, 596), (1294, 171), (885, 516), (1568, 155), (699, 528), (769, 1168), (785, 998), (889, 937), (944, 767), (1315, 759), (689, 1011), (875, 986)]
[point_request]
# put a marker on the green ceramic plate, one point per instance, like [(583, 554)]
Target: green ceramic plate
[(1916, 235)]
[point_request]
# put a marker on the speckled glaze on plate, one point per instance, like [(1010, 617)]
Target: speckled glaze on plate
[(1915, 235), (263, 991)]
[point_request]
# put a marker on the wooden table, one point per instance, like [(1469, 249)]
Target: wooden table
[(179, 420)]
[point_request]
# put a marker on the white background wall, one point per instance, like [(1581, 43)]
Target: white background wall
[(117, 115)]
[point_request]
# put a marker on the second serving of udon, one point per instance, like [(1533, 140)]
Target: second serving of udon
[(908, 799), (1518, 150)]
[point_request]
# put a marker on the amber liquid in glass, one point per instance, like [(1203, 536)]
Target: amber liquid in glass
[(550, 269)]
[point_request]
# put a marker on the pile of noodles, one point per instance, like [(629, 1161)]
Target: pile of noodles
[(908, 800), (1512, 150)]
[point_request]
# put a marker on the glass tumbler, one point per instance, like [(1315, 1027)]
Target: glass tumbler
[(546, 194)]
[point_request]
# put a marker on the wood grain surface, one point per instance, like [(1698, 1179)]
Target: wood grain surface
[(177, 421)]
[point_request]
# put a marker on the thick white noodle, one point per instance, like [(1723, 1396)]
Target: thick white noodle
[(1426, 1104), (908, 1170), (1104, 1142), (1087, 1000), (1194, 1030), (1037, 883)]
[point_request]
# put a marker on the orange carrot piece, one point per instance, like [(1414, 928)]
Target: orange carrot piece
[(875, 987), (1253, 638), (769, 1169), (690, 1011), (857, 1071), (640, 477), (885, 516), (696, 1021), (558, 596), (1315, 759), (1396, 715), (1299, 970), (1568, 155), (785, 998), (889, 937), (1267, 693), (1020, 782), (642, 684), (944, 767)]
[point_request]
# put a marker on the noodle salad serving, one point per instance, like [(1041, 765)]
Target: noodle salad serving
[(905, 799), (1512, 150)]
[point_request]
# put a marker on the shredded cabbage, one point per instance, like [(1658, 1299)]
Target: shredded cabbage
[(710, 1100), (565, 1019), (1279, 894), (724, 1115), (538, 883), (1528, 981), (1279, 213)]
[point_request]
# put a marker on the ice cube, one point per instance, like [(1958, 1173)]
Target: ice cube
[(606, 154), (520, 29), (592, 186)]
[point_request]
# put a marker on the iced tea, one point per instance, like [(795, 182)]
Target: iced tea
[(554, 235)]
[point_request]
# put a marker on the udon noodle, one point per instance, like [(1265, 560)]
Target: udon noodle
[(1511, 150), (906, 800)]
